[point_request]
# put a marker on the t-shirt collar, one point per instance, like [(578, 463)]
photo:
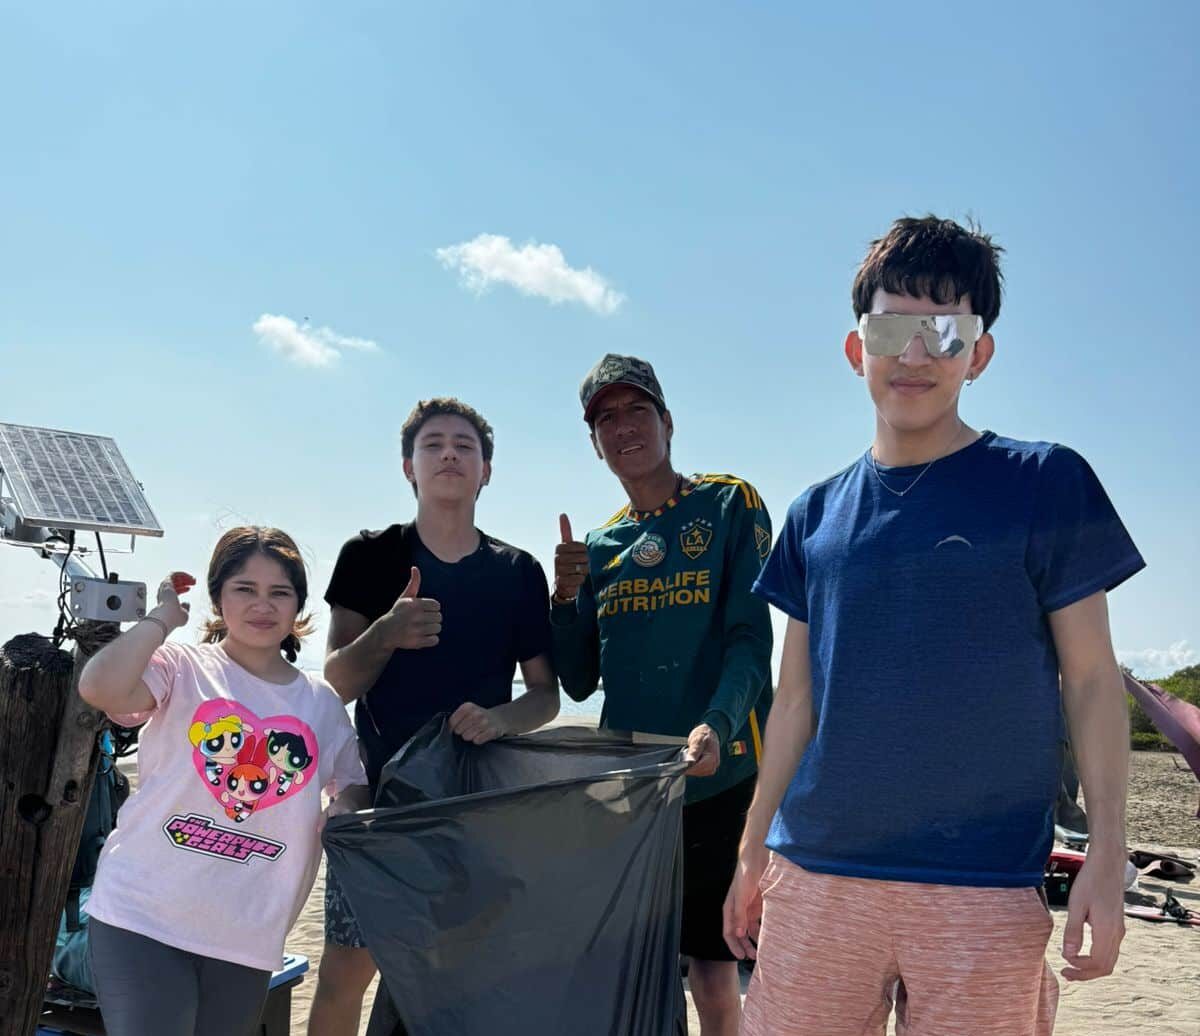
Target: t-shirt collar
[(684, 487)]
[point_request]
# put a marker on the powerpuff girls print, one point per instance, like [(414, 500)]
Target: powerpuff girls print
[(248, 764)]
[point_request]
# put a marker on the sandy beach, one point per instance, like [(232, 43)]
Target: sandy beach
[(1157, 983)]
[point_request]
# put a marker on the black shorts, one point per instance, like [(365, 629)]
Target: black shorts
[(712, 829)]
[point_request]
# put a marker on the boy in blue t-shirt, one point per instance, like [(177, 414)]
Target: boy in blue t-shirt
[(938, 590)]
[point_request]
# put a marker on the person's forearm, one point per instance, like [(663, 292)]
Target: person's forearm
[(745, 668), (111, 677), (746, 635), (576, 652), (789, 729), (1098, 720), (536, 707), (353, 669)]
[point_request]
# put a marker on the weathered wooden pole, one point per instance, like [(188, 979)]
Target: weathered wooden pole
[(48, 756)]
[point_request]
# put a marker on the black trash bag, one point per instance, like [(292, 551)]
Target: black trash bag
[(529, 885)]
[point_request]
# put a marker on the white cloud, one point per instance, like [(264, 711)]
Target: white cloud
[(532, 269), (307, 346), (1154, 662)]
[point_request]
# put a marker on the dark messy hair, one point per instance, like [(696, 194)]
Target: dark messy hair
[(445, 406), (229, 557), (933, 257)]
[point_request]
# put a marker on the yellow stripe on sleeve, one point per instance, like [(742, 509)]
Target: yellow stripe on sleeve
[(749, 493), (756, 737), (615, 518)]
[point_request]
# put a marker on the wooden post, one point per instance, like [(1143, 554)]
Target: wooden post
[(48, 755)]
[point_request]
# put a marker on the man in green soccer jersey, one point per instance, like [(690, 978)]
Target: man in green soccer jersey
[(657, 602)]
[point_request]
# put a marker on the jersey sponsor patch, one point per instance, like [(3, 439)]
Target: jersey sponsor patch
[(650, 550), (695, 537)]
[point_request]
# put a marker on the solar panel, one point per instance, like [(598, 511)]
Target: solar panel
[(64, 480)]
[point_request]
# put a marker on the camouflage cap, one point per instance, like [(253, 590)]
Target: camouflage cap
[(619, 370)]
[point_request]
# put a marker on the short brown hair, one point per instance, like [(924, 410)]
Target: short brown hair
[(445, 406), (933, 257), (229, 556)]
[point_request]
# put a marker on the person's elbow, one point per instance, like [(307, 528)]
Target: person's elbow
[(751, 637), (115, 701), (346, 697), (94, 689), (552, 703), (90, 689), (336, 676)]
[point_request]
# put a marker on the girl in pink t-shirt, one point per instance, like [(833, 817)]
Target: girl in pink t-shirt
[(215, 853)]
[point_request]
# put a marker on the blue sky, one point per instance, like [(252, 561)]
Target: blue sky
[(709, 175)]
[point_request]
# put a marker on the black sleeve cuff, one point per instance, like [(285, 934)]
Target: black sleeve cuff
[(563, 614)]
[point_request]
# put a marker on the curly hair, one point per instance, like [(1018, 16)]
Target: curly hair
[(445, 406)]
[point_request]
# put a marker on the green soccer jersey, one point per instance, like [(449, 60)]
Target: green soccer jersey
[(667, 620)]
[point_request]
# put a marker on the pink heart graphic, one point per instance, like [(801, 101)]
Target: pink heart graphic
[(249, 763)]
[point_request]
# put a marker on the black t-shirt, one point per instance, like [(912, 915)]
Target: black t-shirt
[(495, 613)]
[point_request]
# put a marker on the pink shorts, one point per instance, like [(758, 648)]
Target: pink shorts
[(836, 955)]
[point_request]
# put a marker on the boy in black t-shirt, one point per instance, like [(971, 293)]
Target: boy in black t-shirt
[(428, 617)]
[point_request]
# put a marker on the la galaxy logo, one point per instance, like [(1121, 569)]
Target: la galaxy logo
[(762, 540), (695, 537), (649, 551)]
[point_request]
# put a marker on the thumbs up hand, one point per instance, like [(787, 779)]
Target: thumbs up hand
[(413, 588), (412, 622), (570, 563)]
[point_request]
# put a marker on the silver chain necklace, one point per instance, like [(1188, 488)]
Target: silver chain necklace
[(907, 489), (920, 475)]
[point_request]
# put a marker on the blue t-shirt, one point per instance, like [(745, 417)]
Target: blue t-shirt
[(934, 675)]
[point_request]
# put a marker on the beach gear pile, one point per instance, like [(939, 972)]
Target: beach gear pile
[(528, 885), (71, 963)]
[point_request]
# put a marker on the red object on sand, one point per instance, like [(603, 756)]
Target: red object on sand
[(1069, 861), (1177, 720)]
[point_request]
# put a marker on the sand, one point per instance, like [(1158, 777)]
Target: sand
[(1156, 988)]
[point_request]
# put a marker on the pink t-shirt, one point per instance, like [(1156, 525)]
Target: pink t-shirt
[(216, 851)]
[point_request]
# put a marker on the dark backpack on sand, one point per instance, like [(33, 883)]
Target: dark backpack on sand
[(109, 791)]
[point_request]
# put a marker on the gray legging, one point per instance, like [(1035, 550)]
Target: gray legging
[(147, 988)]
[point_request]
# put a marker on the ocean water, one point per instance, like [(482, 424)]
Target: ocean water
[(568, 709), (589, 709)]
